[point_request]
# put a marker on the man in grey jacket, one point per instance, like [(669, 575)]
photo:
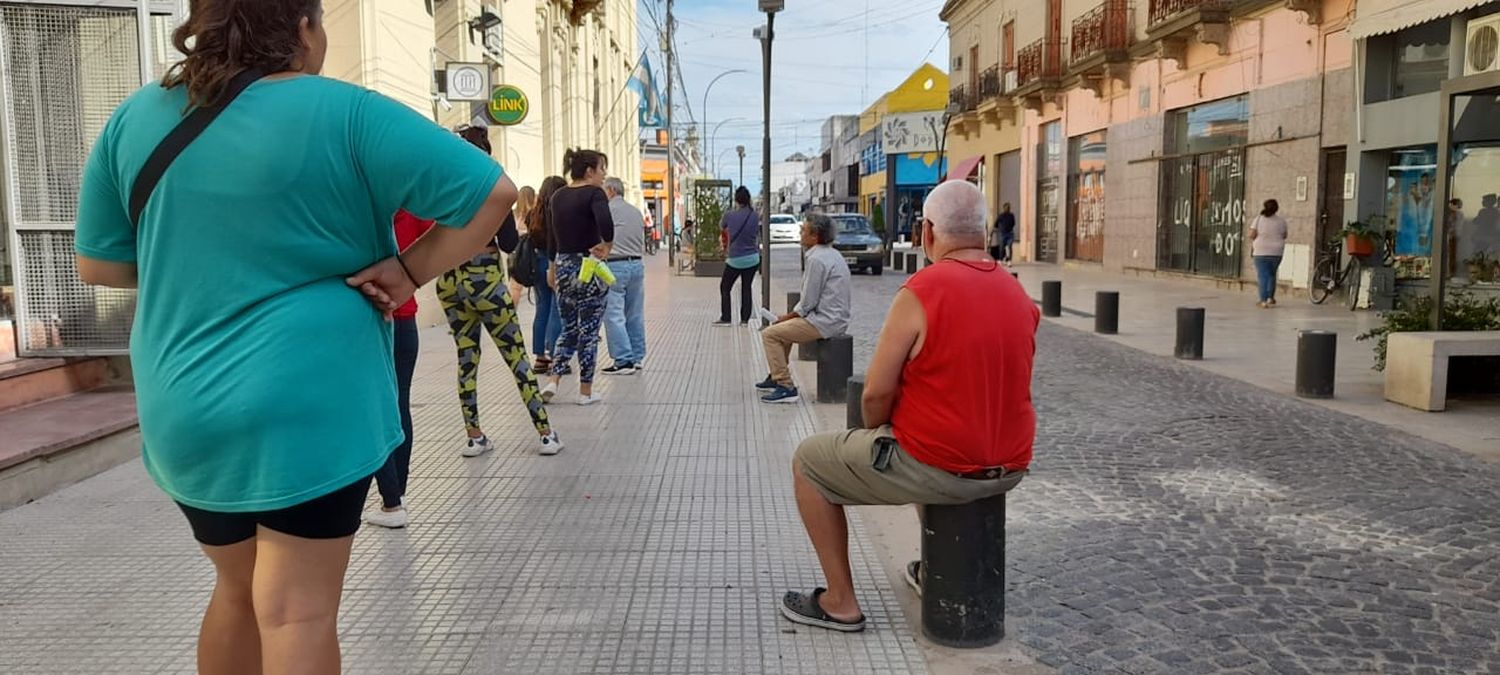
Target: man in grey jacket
[(822, 313), (625, 308)]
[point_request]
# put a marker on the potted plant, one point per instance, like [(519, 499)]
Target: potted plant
[(1359, 239), (711, 199)]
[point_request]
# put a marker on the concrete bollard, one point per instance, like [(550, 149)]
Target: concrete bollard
[(963, 573), (854, 410), (1107, 312), (911, 263), (835, 366), (1052, 298), (1317, 357), (1190, 322)]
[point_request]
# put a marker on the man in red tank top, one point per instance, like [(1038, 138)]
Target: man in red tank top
[(947, 403)]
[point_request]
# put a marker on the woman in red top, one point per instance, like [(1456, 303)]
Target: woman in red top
[(391, 478)]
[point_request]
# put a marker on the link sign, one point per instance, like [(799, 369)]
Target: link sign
[(508, 105)]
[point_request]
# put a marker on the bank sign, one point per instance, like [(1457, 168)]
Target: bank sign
[(508, 105)]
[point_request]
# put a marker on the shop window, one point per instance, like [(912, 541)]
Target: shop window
[(1203, 189), (1049, 191), (1420, 59), (1410, 188), (1086, 161), (1474, 226)]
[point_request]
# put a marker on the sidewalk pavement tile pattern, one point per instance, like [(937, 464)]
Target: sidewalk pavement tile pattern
[(659, 541), (1176, 521)]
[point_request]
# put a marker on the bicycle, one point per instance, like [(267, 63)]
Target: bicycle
[(652, 243), (1328, 278)]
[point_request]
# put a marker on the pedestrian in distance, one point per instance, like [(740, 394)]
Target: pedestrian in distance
[(1005, 235), (823, 311), (1267, 245), (524, 205), (625, 308), (741, 229), (263, 368), (391, 479), (475, 301), (547, 325), (947, 404), (581, 228)]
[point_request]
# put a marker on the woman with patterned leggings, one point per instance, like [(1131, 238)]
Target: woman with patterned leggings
[(580, 227), (475, 300)]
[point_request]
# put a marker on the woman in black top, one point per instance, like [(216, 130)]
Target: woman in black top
[(580, 226)]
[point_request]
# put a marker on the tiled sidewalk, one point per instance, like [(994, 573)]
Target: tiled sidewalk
[(659, 541)]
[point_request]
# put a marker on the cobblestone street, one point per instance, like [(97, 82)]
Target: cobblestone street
[(1175, 521)]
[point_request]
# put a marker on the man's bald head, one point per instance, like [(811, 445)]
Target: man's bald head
[(956, 209)]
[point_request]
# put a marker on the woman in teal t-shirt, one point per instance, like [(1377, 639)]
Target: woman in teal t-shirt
[(264, 374)]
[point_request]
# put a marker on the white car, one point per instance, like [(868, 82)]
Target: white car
[(785, 228)]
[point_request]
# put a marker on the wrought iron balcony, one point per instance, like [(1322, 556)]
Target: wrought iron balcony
[(1039, 63), (1163, 11), (989, 83), (1104, 31), (961, 97), (1172, 23)]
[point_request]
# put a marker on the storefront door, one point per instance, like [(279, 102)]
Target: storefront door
[(1203, 190), (1086, 160)]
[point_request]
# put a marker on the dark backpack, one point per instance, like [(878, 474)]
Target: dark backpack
[(523, 263)]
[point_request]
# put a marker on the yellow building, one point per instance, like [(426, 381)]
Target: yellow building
[(984, 141), (900, 135)]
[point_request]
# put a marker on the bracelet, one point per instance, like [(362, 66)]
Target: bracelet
[(407, 270)]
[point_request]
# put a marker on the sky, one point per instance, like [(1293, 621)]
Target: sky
[(829, 57)]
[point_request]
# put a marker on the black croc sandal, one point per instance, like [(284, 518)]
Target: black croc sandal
[(803, 608)]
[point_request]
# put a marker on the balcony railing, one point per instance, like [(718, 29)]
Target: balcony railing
[(1104, 30), (1164, 10), (962, 97), (1039, 61), (989, 83)]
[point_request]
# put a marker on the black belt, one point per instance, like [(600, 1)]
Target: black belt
[(627, 258), (984, 474)]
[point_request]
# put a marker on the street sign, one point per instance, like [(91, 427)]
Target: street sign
[(508, 105), (468, 81)]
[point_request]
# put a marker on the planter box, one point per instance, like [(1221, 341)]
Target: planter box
[(708, 268), (1359, 246)]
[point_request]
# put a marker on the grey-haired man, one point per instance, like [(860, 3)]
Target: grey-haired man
[(822, 313)]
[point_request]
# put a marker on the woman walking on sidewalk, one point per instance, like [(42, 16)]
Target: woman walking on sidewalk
[(580, 227), (546, 327), (1267, 245), (390, 480), (264, 376), (475, 300), (741, 228)]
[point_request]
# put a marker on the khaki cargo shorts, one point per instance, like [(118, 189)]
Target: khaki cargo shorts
[(841, 465)]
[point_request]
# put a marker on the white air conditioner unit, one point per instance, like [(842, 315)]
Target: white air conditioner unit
[(1010, 81), (1482, 49), (958, 63)]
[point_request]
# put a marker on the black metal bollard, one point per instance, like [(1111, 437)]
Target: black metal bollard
[(1107, 312), (835, 365), (1015, 275), (963, 573), (1052, 298), (792, 299), (854, 411), (1190, 322), (911, 263), (1317, 356), (898, 261)]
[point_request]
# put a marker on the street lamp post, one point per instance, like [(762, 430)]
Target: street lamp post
[(766, 35), (708, 89), (708, 149), (741, 150)]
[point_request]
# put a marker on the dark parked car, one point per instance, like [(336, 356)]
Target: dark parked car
[(861, 247)]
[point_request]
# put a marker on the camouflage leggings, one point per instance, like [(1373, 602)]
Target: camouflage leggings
[(475, 300)]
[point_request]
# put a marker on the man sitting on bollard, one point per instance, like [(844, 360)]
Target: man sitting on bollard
[(822, 313), (947, 403)]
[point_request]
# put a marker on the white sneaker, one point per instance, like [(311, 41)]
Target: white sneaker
[(549, 390), (551, 444), (394, 520), (590, 399), (477, 447)]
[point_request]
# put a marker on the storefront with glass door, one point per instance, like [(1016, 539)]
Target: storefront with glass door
[(1203, 189), (1086, 161), (1049, 192)]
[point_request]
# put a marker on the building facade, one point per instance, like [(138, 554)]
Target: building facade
[(1148, 134), (834, 189), (789, 187), (900, 136)]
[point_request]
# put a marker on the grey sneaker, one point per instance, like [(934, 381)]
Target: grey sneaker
[(551, 444), (477, 447)]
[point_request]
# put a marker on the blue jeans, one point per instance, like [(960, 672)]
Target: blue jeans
[(391, 478), (547, 325), (1265, 269), (625, 312)]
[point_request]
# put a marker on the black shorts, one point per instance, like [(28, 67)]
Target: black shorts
[(332, 516)]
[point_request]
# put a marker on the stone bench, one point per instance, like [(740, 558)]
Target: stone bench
[(1416, 364)]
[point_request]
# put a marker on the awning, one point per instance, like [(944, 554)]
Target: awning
[(964, 169), (1378, 17)]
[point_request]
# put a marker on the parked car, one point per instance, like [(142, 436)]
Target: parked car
[(785, 229), (857, 241)]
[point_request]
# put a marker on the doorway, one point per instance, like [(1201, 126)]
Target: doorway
[(1331, 196)]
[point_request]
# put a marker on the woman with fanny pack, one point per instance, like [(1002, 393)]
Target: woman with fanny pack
[(741, 227), (264, 372), (475, 300)]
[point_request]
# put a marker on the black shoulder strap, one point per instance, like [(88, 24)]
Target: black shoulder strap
[(186, 132)]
